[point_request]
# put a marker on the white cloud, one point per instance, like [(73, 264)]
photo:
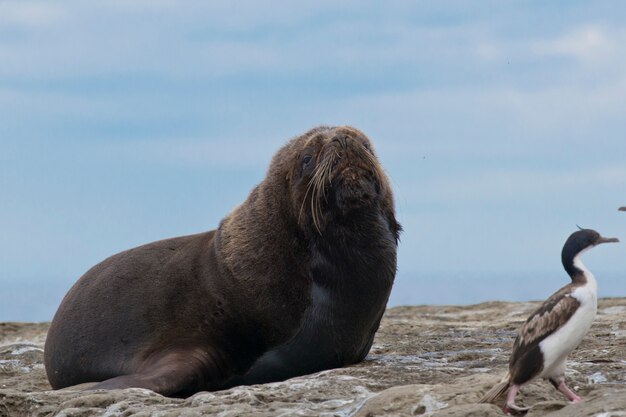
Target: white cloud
[(511, 184), (488, 120), (224, 38), (142, 5), (31, 14), (210, 153), (588, 44)]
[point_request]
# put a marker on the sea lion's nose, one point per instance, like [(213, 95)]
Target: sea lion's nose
[(342, 140)]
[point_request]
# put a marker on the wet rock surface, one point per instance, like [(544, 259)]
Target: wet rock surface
[(426, 361)]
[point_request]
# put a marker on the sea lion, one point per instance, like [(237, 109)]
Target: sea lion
[(293, 281)]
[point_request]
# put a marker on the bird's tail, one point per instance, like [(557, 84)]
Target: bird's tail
[(497, 390)]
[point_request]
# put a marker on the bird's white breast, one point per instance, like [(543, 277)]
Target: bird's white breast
[(563, 341)]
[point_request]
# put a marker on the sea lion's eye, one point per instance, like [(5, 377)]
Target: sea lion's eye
[(306, 159)]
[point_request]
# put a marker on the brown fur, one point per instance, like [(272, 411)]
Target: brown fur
[(544, 321), (294, 280)]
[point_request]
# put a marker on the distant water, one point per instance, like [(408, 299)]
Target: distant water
[(473, 288), (33, 301)]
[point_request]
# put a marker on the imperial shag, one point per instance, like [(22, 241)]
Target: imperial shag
[(556, 328)]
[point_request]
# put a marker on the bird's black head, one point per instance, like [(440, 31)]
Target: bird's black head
[(586, 238), (578, 242)]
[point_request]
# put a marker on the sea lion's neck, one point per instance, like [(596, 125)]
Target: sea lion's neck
[(354, 253), (352, 271), (258, 236)]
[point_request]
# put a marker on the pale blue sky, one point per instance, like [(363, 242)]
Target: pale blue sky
[(501, 125)]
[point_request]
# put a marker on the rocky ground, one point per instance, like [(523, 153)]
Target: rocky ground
[(426, 361)]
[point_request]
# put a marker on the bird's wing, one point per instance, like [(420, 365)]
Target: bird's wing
[(551, 315)]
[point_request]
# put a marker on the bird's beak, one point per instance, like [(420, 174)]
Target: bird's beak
[(607, 240)]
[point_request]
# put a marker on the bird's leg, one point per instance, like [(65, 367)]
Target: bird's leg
[(510, 407), (559, 384)]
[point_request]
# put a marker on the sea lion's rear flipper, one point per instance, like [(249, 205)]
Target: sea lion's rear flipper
[(176, 374), (80, 387)]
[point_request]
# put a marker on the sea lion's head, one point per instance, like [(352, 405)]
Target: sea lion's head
[(334, 175)]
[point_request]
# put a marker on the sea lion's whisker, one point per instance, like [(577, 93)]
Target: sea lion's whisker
[(328, 172), (314, 182), (304, 199), (377, 171), (315, 196), (323, 176)]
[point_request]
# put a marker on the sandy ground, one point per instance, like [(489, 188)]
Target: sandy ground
[(426, 361)]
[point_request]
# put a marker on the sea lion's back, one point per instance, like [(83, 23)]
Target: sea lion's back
[(102, 316)]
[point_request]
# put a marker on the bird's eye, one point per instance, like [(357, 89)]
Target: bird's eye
[(306, 159)]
